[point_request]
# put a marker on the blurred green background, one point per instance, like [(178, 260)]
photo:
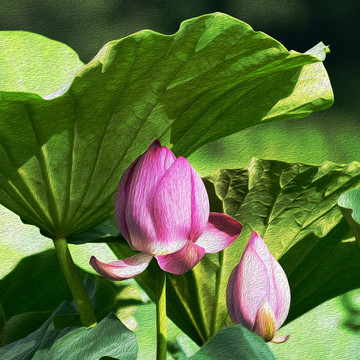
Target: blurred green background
[(330, 331)]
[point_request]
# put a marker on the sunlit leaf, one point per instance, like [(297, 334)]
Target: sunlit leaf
[(328, 323), (33, 63), (63, 152), (294, 208)]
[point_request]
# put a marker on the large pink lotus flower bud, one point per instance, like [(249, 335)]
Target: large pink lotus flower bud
[(162, 210), (258, 292)]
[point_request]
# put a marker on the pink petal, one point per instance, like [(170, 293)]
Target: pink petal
[(282, 291), (260, 247), (139, 189), (279, 296), (121, 199), (248, 287), (122, 269), (182, 260), (263, 252), (172, 207), (221, 231), (199, 205)]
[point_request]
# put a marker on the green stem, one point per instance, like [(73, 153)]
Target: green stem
[(75, 284), (219, 283), (161, 332)]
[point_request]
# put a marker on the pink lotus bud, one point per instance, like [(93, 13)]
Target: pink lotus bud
[(258, 292), (162, 210)]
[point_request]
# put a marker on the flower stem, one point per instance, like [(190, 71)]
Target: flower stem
[(161, 331), (75, 284)]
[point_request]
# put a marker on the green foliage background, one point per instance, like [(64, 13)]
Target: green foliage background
[(330, 135)]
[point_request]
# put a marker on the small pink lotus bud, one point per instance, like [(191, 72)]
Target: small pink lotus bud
[(162, 210), (258, 292)]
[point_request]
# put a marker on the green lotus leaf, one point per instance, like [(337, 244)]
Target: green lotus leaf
[(69, 131), (109, 338), (234, 343), (294, 208)]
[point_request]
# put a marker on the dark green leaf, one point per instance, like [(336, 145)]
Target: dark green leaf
[(40, 272), (234, 343), (2, 317), (105, 232), (19, 326), (214, 77), (65, 320), (110, 337), (294, 208), (36, 285), (349, 203), (26, 348), (329, 269)]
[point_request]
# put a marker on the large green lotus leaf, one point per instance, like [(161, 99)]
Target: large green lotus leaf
[(234, 343), (294, 208), (62, 153), (109, 338), (350, 207)]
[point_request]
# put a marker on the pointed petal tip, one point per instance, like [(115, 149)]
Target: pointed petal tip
[(257, 242), (156, 143), (254, 237)]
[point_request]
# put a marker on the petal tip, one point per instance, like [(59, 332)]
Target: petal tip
[(156, 143), (92, 260), (280, 339)]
